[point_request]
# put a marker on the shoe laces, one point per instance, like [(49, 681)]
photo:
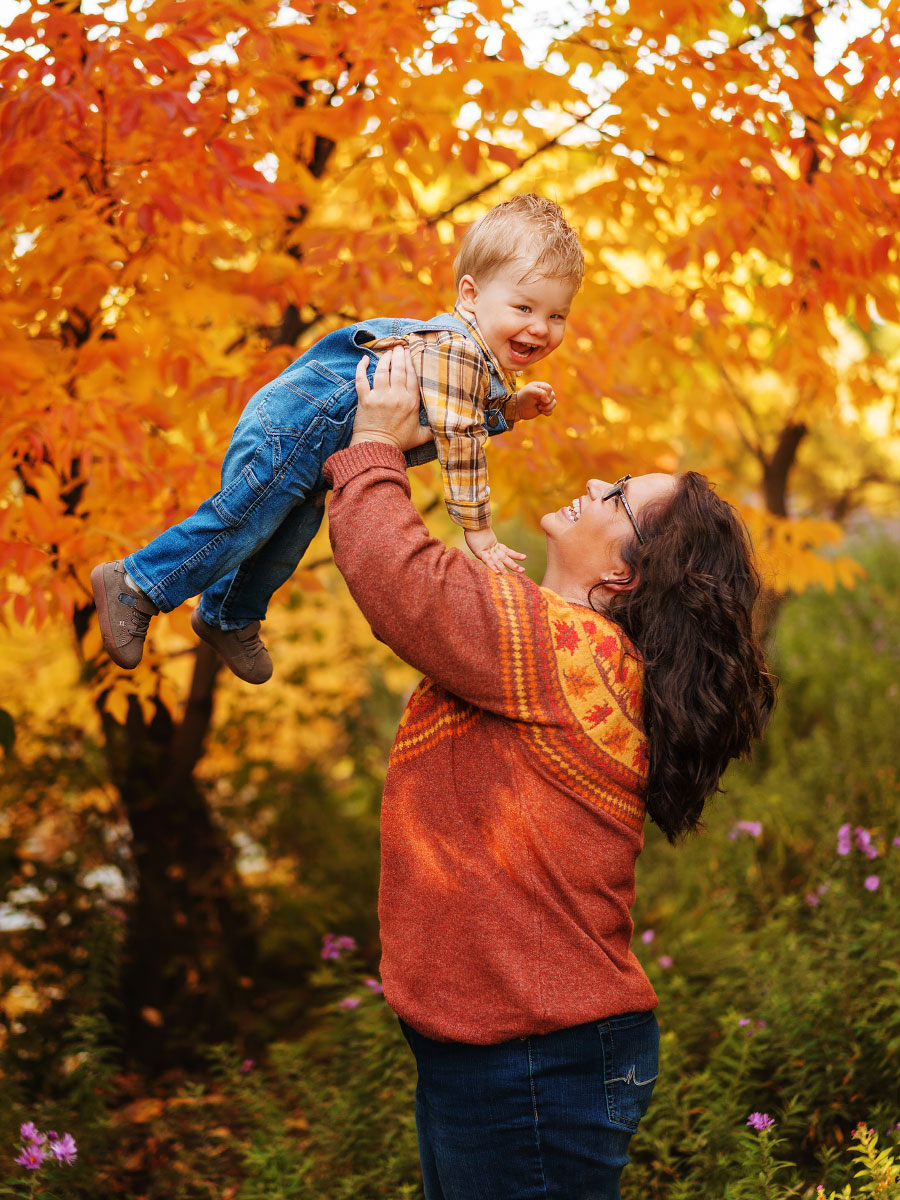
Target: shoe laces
[(251, 642), (140, 620)]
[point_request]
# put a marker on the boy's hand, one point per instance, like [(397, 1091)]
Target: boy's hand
[(535, 400), (484, 545)]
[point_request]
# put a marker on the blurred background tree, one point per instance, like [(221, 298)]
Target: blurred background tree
[(194, 193)]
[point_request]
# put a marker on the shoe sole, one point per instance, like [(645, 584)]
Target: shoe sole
[(98, 587), (200, 627)]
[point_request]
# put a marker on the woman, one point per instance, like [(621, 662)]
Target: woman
[(550, 719)]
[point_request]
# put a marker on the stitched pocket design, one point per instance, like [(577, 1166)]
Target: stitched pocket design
[(631, 1067)]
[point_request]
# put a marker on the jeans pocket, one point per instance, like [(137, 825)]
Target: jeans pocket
[(240, 496), (631, 1067)]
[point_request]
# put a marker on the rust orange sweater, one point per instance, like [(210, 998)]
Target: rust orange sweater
[(513, 811)]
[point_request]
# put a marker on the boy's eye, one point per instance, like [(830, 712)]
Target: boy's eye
[(523, 308)]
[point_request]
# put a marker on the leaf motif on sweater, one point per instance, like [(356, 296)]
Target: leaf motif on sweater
[(566, 636), (598, 714), (579, 681)]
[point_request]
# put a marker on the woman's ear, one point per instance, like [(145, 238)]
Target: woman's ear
[(627, 584), (467, 291)]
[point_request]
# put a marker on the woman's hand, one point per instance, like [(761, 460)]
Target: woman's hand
[(389, 410)]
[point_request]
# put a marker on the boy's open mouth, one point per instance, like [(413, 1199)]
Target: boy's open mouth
[(522, 350)]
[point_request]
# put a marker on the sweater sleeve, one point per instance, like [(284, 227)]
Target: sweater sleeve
[(436, 608)]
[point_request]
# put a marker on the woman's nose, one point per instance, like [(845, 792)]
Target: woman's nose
[(596, 488)]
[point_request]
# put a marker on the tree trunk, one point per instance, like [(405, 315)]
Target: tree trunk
[(776, 471), (190, 949)]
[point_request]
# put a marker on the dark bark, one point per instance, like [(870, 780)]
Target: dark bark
[(777, 467), (190, 949), (776, 472)]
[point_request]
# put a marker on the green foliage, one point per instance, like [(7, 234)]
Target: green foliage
[(780, 931)]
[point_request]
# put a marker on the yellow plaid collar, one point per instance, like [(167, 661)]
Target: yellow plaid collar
[(472, 326)]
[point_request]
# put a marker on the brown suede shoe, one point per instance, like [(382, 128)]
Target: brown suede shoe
[(241, 650), (124, 614)]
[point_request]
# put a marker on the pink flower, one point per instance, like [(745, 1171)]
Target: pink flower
[(752, 828), (247, 1065), (333, 946), (375, 986), (843, 840), (896, 841), (871, 883), (349, 1002), (647, 936), (30, 1133), (665, 961), (812, 899), (760, 1121), (744, 1021), (64, 1149), (31, 1157), (864, 842)]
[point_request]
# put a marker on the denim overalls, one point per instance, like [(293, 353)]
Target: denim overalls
[(246, 540)]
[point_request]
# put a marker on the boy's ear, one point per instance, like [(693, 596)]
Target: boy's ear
[(467, 292)]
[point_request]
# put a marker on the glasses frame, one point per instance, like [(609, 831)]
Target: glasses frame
[(618, 489)]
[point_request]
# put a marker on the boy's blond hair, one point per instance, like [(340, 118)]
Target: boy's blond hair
[(528, 229)]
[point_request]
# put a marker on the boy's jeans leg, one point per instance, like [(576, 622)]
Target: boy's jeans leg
[(270, 469), (243, 596)]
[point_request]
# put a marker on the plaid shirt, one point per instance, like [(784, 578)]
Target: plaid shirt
[(454, 381)]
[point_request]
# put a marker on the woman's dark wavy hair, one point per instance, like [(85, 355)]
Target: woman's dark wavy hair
[(707, 693)]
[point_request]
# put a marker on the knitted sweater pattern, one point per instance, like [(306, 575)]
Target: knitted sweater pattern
[(513, 806)]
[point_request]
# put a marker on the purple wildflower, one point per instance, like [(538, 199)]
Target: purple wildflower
[(32, 1156), (812, 899), (760, 1121), (64, 1149), (744, 1021), (247, 1065), (665, 961), (753, 828), (333, 946), (375, 986), (843, 840), (30, 1132), (871, 883), (647, 936), (349, 1002), (864, 842), (896, 841)]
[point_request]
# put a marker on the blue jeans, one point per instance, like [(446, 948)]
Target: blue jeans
[(547, 1117), (246, 540)]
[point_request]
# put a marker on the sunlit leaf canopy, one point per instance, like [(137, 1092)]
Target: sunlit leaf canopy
[(192, 193)]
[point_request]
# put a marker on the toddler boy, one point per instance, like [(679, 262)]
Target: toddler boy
[(517, 271)]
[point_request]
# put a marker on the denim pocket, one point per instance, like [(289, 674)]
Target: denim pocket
[(239, 497), (631, 1066)]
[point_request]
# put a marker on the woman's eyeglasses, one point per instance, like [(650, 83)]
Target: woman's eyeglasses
[(618, 489)]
